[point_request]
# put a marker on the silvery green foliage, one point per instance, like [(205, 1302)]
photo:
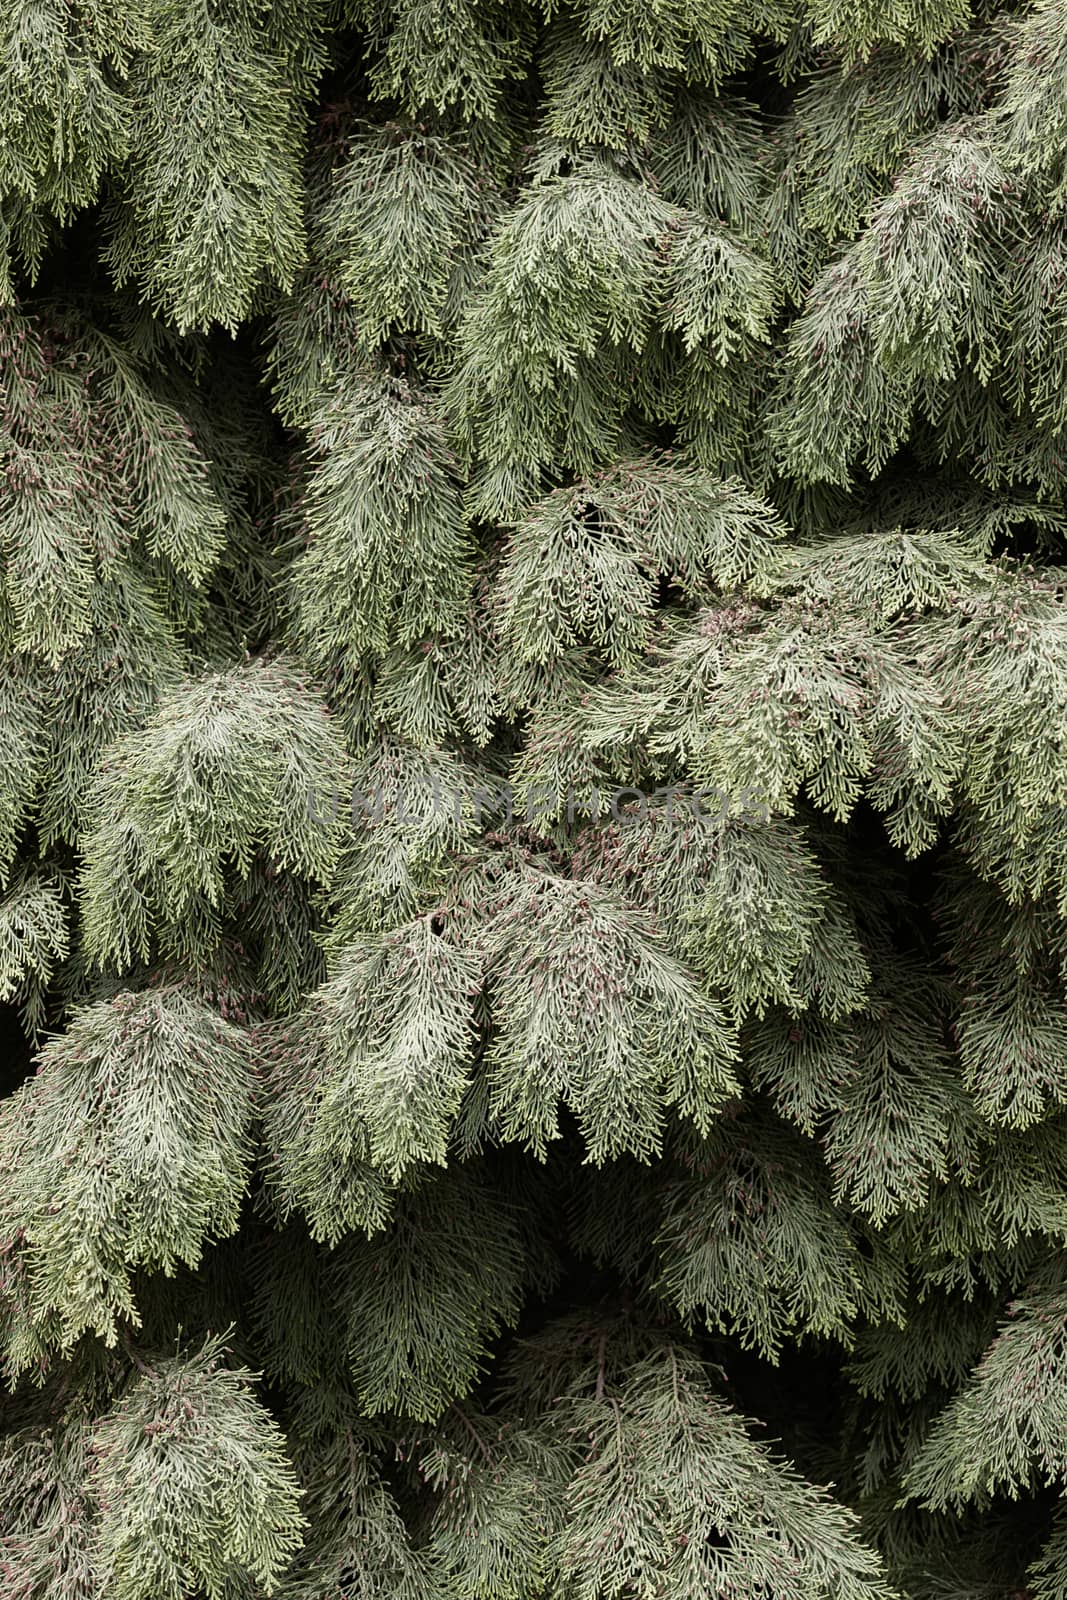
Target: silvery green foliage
[(194, 1485), (34, 938), (533, 848), (129, 1148), (229, 773)]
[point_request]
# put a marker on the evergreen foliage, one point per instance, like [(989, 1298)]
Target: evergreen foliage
[(533, 800)]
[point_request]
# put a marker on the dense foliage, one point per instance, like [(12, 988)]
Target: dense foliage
[(533, 800)]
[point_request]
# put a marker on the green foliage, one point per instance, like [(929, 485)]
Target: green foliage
[(405, 212), (443, 54), (751, 1241), (370, 1083), (420, 1300), (194, 1484), (128, 1148), (533, 806), (387, 551), (208, 203), (688, 1501), (63, 119), (34, 938), (46, 1544), (590, 1011), (581, 564), (100, 470), (229, 766), (571, 283), (998, 1433)]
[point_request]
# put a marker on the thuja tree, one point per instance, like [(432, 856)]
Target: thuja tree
[(533, 800)]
